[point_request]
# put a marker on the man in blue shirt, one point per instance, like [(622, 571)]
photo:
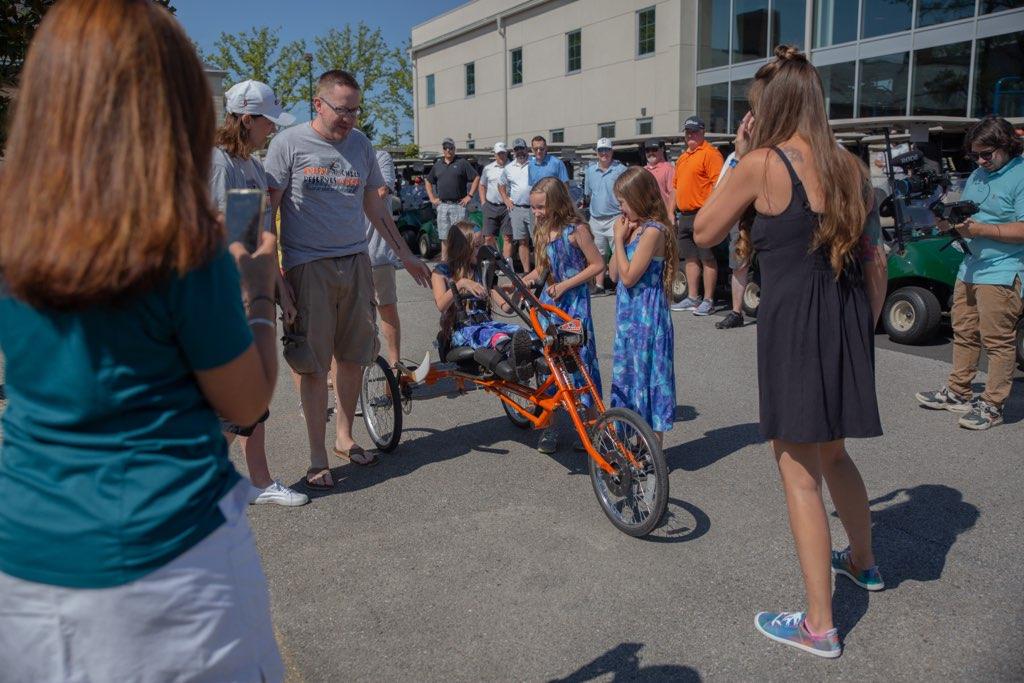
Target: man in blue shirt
[(543, 164), (987, 296), (598, 187)]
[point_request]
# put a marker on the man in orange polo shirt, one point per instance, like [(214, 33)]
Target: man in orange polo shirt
[(697, 171)]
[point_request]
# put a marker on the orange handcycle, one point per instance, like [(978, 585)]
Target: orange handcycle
[(626, 463)]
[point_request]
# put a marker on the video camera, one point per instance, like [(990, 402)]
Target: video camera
[(919, 181)]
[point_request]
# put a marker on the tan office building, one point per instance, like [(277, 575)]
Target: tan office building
[(576, 70)]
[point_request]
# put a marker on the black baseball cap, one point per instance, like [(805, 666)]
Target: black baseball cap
[(654, 144), (693, 123)]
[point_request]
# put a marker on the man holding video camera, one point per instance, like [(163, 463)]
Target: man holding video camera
[(987, 297)]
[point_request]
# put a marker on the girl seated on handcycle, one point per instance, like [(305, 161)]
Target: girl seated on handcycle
[(473, 326)]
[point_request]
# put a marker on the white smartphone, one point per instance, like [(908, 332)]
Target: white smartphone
[(243, 217)]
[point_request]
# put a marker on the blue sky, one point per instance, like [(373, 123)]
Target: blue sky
[(204, 20)]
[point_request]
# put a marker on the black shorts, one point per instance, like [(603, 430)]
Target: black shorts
[(688, 249), (496, 219), (237, 430)]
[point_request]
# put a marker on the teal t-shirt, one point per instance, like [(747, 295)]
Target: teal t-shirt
[(113, 462), (1000, 198)]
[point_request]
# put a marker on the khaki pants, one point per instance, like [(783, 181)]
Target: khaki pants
[(985, 314)]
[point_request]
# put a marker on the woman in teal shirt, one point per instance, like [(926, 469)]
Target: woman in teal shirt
[(987, 294), (125, 553)]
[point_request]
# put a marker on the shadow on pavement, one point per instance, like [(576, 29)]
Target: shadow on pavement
[(682, 522), (712, 447), (912, 538), (623, 662)]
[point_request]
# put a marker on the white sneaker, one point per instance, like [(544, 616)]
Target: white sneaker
[(281, 495)]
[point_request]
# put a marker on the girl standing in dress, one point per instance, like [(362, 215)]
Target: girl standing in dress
[(565, 247), (822, 289), (644, 264)]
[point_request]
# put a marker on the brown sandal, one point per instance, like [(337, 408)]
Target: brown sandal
[(316, 479), (366, 459)]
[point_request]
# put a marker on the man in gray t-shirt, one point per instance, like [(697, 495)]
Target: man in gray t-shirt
[(324, 177)]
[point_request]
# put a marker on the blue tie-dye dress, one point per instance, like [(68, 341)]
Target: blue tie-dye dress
[(643, 373), (567, 261), (479, 333)]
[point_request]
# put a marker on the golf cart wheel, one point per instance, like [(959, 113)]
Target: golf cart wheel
[(635, 497), (382, 405), (911, 315), (1020, 344), (751, 299), (411, 238), (679, 286), (425, 250)]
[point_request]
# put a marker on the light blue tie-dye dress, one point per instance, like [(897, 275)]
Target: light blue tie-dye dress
[(567, 261), (643, 373), (480, 332)]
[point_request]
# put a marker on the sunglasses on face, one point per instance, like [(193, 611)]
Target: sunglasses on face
[(984, 156)]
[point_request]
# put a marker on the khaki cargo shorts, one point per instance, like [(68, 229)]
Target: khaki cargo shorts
[(335, 300), (385, 285)]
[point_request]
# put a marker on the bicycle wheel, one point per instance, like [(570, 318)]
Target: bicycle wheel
[(635, 497), (382, 405)]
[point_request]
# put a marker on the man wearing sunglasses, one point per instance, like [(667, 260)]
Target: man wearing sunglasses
[(987, 296), (446, 187)]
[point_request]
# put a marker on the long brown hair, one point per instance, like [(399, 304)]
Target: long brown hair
[(460, 264), (792, 103), (105, 183), (560, 212), (638, 187), (233, 136)]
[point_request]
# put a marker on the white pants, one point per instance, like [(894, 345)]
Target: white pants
[(205, 616), (603, 230)]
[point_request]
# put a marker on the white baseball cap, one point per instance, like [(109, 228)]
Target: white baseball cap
[(253, 97), (604, 143), (500, 147)]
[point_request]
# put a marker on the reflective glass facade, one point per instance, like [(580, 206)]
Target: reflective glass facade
[(839, 83), (999, 76), (941, 75)]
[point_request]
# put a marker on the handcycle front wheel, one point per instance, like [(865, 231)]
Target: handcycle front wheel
[(382, 405), (635, 496)]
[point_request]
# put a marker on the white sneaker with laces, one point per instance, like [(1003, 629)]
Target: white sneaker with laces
[(280, 494)]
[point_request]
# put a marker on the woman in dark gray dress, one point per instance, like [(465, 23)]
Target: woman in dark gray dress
[(823, 280)]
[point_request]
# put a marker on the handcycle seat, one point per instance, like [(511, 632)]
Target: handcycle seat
[(459, 354)]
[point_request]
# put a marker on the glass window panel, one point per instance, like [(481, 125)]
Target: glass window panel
[(882, 17), (517, 66), (883, 85), (998, 88), (470, 144), (606, 130), (712, 34), (788, 23), (644, 126), (838, 83), (713, 106), (430, 90), (470, 79), (557, 135), (574, 46), (645, 31), (749, 30), (835, 22), (740, 105), (940, 80), (931, 12), (989, 6)]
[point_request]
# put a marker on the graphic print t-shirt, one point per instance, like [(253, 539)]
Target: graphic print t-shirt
[(323, 183)]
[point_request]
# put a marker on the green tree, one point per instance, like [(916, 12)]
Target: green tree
[(258, 54), (380, 71)]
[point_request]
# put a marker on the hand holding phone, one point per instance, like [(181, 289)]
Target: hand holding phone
[(243, 217)]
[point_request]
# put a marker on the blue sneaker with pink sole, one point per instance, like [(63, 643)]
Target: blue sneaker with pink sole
[(790, 628), (869, 579)]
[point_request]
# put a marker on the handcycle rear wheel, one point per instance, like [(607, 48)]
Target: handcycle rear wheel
[(636, 496), (382, 405)]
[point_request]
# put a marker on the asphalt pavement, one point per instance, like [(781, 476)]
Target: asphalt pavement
[(466, 555)]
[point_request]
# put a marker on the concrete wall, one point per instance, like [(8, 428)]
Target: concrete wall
[(614, 84)]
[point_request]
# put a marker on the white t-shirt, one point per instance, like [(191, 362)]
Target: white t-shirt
[(490, 179), (516, 177)]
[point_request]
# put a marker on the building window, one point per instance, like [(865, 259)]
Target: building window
[(835, 22), (940, 80), (470, 79), (517, 66), (788, 20), (712, 34), (557, 135), (931, 12), (881, 17), (883, 85), (470, 144), (645, 126), (998, 87), (574, 51), (989, 6), (713, 106), (645, 31), (430, 90), (740, 104), (606, 130), (749, 30), (838, 81)]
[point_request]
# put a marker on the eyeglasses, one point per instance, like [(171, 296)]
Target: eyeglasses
[(984, 156), (343, 111), (452, 147)]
